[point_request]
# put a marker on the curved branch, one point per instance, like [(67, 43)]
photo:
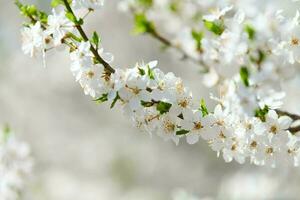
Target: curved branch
[(168, 43), (86, 39), (295, 117)]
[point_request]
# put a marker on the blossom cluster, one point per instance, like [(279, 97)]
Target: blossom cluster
[(243, 126), (15, 165)]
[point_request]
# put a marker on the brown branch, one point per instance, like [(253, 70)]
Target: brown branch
[(168, 43), (294, 130), (295, 117), (86, 39)]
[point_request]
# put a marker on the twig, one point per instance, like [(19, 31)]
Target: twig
[(86, 39), (168, 43), (295, 117)]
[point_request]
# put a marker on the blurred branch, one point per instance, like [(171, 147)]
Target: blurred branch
[(168, 43), (294, 117)]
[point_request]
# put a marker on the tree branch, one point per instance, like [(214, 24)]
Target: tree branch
[(168, 43), (295, 117), (86, 39)]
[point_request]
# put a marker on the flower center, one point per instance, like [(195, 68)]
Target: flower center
[(90, 74), (295, 41), (273, 129), (169, 127), (198, 126), (269, 150)]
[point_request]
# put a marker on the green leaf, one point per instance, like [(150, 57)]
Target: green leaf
[(141, 71), (174, 6), (150, 73), (96, 39), (115, 101), (142, 24), (244, 74), (55, 3), (215, 27), (145, 3), (203, 108), (182, 132), (163, 107), (250, 31), (261, 113), (197, 36), (102, 99), (71, 17)]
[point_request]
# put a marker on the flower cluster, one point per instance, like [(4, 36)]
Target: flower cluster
[(244, 124), (15, 165)]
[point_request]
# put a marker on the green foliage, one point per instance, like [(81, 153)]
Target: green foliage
[(102, 99), (163, 107), (250, 31), (197, 36), (244, 74), (182, 132), (145, 3), (32, 12), (115, 100), (55, 3), (174, 6), (215, 27), (262, 112), (203, 108), (150, 73), (6, 132), (73, 18), (142, 24), (96, 39), (141, 71)]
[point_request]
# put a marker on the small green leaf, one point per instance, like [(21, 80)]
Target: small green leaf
[(102, 99), (197, 36), (71, 17), (163, 107), (150, 73), (203, 108), (6, 132), (142, 24), (141, 71), (261, 113), (250, 31), (115, 101), (55, 3), (145, 3), (244, 74), (96, 39), (182, 132), (215, 27)]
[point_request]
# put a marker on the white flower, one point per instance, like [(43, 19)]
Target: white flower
[(217, 14), (89, 4), (277, 126), (59, 26), (33, 39), (168, 127), (81, 59), (193, 121), (15, 166)]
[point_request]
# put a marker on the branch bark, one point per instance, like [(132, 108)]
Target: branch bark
[(168, 43), (86, 39)]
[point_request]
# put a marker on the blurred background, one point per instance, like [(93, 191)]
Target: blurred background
[(85, 151)]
